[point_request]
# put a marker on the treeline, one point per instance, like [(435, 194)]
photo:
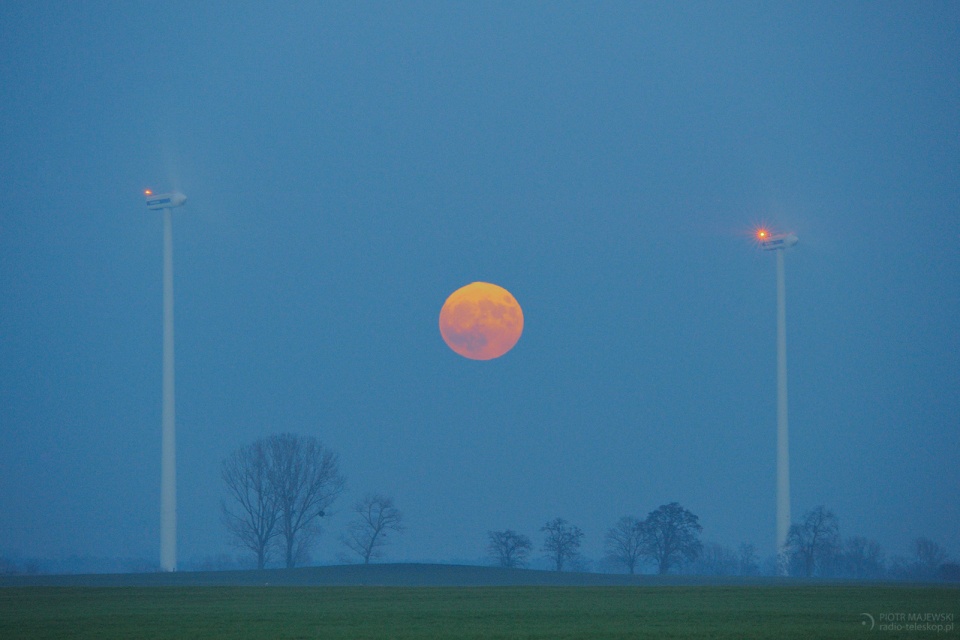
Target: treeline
[(668, 538), (815, 548), (668, 541), (281, 487)]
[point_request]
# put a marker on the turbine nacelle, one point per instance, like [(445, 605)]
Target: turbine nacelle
[(158, 201), (772, 242)]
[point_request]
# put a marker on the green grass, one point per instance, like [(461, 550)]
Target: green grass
[(464, 612)]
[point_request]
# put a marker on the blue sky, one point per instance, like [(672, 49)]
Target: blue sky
[(349, 165)]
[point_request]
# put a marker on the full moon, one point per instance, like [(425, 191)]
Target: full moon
[(481, 321)]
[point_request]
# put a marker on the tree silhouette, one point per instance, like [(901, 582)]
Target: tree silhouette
[(376, 517), (562, 542), (279, 487), (509, 548), (251, 514), (624, 543), (671, 537), (814, 542)]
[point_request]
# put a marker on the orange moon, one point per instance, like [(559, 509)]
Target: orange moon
[(481, 321)]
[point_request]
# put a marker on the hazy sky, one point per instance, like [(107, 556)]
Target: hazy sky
[(349, 165)]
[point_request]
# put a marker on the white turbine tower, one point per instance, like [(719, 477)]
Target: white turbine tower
[(168, 448), (779, 243)]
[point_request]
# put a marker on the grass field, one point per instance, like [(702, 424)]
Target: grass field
[(821, 611)]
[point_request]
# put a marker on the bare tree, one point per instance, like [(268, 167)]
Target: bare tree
[(306, 478), (862, 558), (928, 558), (278, 487), (562, 542), (747, 564), (376, 516), (716, 559), (509, 548), (671, 537), (814, 543), (624, 543), (251, 515)]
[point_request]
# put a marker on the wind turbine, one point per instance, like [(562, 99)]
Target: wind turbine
[(166, 202), (780, 243)]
